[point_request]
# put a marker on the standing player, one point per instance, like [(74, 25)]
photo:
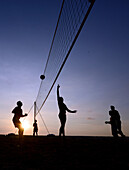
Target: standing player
[(16, 119), (35, 130), (115, 122), (62, 112)]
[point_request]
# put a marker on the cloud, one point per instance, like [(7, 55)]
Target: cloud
[(90, 118), (90, 111)]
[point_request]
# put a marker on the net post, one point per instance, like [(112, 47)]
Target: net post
[(34, 111)]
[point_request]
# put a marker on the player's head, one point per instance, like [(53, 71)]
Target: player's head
[(19, 103), (112, 107), (61, 99)]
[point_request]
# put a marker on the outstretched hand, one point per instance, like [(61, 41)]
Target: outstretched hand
[(75, 111), (26, 114)]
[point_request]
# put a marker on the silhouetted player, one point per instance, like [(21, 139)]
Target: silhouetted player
[(16, 119), (62, 112), (35, 130), (115, 122)]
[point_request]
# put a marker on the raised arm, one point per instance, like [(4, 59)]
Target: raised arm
[(58, 92)]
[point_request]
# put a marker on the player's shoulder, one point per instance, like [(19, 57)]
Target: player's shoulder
[(116, 111), (14, 109)]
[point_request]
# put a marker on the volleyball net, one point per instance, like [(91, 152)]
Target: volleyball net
[(72, 17)]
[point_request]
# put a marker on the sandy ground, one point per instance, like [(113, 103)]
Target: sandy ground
[(55, 153)]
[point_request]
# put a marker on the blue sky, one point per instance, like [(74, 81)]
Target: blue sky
[(95, 76)]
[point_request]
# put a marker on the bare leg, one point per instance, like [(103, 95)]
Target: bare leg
[(114, 131), (120, 131)]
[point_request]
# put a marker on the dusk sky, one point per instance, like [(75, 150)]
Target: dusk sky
[(95, 76)]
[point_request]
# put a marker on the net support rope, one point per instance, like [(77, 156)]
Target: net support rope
[(43, 122)]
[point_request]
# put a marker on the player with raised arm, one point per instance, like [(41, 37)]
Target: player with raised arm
[(62, 112)]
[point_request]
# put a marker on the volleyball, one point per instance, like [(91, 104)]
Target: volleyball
[(42, 77)]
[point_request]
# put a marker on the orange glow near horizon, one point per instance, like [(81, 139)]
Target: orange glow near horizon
[(25, 124)]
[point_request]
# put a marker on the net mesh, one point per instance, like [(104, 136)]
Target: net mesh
[(70, 19)]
